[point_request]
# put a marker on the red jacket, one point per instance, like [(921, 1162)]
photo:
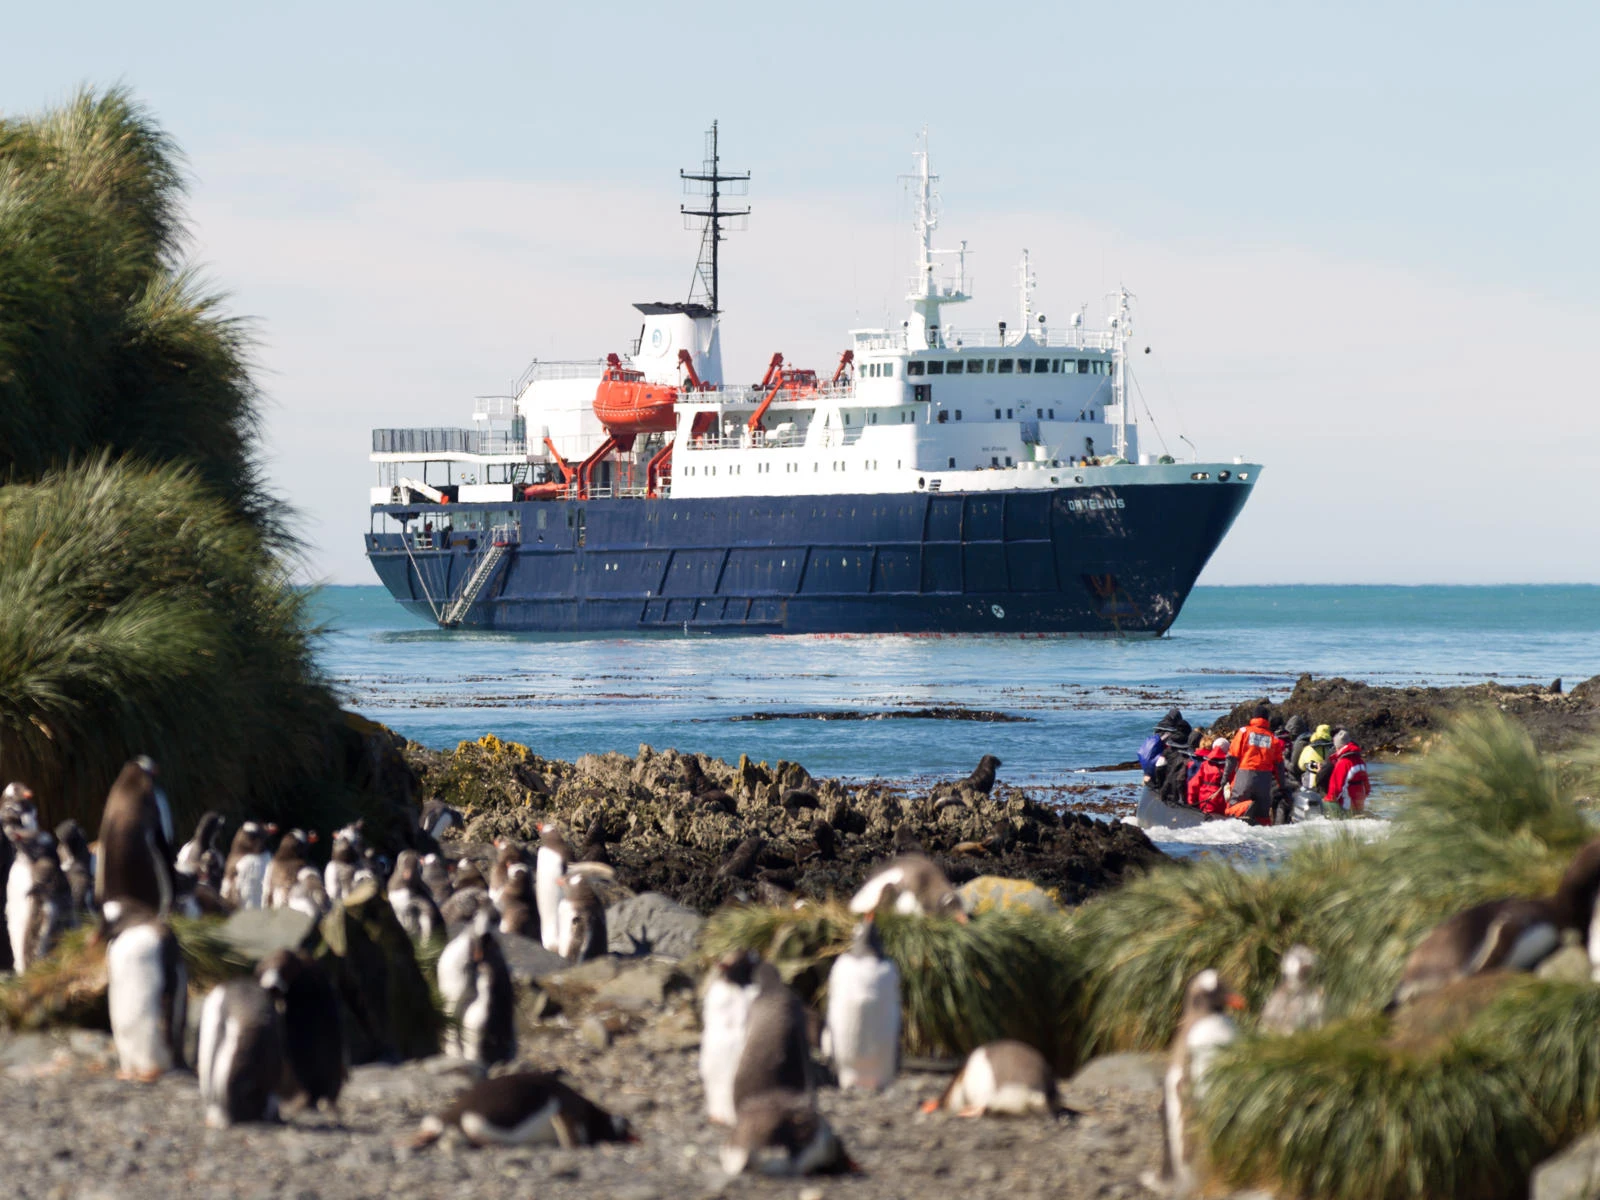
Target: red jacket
[(1205, 789), (1256, 749), (1348, 785)]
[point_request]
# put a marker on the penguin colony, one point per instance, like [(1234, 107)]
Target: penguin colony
[(272, 1043)]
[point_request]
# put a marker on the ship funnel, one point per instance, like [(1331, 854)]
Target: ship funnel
[(669, 328)]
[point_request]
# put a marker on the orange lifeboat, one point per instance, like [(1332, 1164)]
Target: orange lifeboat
[(626, 404)]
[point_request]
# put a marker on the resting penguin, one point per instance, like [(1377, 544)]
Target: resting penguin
[(244, 875), (199, 857), (72, 849), (147, 989), (863, 1030), (550, 864), (412, 902), (475, 984), (724, 1017), (912, 883), (313, 1034), (788, 1124), (1004, 1078), (776, 1055), (437, 818), (344, 861), (286, 865), (528, 1108), (1204, 1029), (580, 920), (135, 857), (240, 1054), (518, 912), (1505, 935), (1298, 1002)]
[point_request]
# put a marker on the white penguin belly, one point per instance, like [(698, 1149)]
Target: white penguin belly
[(866, 900), (18, 884), (250, 877), (457, 986), (565, 920), (137, 999), (724, 1018), (548, 867), (537, 1128), (864, 1020), (1206, 1037)]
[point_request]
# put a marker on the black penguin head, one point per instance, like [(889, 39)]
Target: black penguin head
[(867, 942), (738, 967)]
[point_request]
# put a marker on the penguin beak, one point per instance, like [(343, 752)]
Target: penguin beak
[(312, 837), (1235, 1001)]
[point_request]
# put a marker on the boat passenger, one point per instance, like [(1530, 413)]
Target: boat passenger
[(1311, 757), (1255, 763), (1297, 732), (1155, 746), (1179, 767), (1205, 788), (1348, 784)]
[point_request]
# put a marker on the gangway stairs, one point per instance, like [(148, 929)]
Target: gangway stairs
[(504, 538)]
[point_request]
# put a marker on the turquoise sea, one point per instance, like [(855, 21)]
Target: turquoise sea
[(1086, 703)]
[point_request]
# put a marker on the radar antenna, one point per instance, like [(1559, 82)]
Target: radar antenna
[(709, 184)]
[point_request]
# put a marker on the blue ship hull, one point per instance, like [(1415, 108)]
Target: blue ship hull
[(1085, 560)]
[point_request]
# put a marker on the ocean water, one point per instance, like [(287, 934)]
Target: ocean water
[(1077, 705)]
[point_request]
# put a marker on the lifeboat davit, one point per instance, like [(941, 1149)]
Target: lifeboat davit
[(627, 404)]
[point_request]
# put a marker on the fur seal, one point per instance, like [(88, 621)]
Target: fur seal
[(135, 857), (438, 818), (1004, 1078), (912, 883), (240, 1054), (526, 1108), (147, 989), (863, 1030)]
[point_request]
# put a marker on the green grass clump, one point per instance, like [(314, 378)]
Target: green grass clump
[(1003, 975)]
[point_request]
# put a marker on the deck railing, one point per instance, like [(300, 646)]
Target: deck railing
[(447, 441)]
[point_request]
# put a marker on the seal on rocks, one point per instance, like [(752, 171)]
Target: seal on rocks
[(147, 989), (863, 1029)]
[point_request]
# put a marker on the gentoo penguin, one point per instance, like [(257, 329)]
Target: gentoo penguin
[(1204, 1029), (1505, 935), (1004, 1078), (776, 1055), (412, 902), (1297, 1003), (28, 850), (724, 1018), (287, 863), (518, 912), (469, 894), (580, 920), (135, 856), (147, 989), (527, 1108), (47, 911), (506, 853), (550, 864), (199, 857), (240, 1055), (912, 883), (436, 875), (782, 1133), (437, 818), (475, 984), (244, 875), (345, 860), (19, 819), (863, 1029), (308, 895), (72, 849), (313, 1031)]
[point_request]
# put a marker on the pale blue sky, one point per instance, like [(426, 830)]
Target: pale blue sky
[(1362, 236)]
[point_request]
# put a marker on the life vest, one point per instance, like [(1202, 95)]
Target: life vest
[(1256, 748)]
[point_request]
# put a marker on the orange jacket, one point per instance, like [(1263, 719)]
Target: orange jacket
[(1256, 749)]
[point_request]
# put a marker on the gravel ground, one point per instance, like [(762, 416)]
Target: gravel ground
[(70, 1129)]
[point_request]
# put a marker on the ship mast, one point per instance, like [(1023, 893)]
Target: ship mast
[(709, 183), (1121, 331), (927, 294)]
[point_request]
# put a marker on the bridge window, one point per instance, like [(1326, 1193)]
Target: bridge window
[(997, 414), (1052, 413), (1008, 460), (912, 368), (1055, 366), (953, 367), (974, 366), (1005, 366), (888, 370), (943, 416), (958, 414), (936, 367), (990, 367), (994, 461), (1024, 366), (952, 464), (1008, 414), (1083, 366)]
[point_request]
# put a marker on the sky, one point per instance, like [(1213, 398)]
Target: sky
[(1361, 237)]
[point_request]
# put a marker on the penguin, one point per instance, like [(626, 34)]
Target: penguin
[(72, 849), (724, 1018), (308, 895), (550, 864), (580, 920), (147, 989), (244, 874), (199, 857), (412, 902), (284, 870), (1005, 1078), (241, 1059), (47, 911), (1298, 1002), (1505, 935), (518, 912), (437, 818), (315, 1057), (344, 862), (776, 1055), (469, 894), (506, 853), (912, 883), (19, 818), (1203, 1030), (788, 1123), (475, 984), (526, 1108), (436, 875), (863, 1029), (18, 809), (28, 850), (135, 856)]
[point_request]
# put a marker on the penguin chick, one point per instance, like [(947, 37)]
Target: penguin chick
[(345, 859), (412, 900), (863, 1029), (308, 894), (1298, 1002), (287, 863), (72, 849), (518, 912), (436, 877), (244, 873), (147, 990), (475, 984), (782, 1133), (724, 1018), (135, 858), (580, 920), (1005, 1078), (47, 911), (912, 883), (1203, 1030), (526, 1108), (506, 853), (315, 1057), (241, 1060)]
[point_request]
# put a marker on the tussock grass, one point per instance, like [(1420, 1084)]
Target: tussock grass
[(1003, 975)]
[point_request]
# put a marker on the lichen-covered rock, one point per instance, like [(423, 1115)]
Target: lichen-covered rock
[(988, 892)]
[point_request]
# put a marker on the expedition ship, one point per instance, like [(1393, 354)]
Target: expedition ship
[(937, 480)]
